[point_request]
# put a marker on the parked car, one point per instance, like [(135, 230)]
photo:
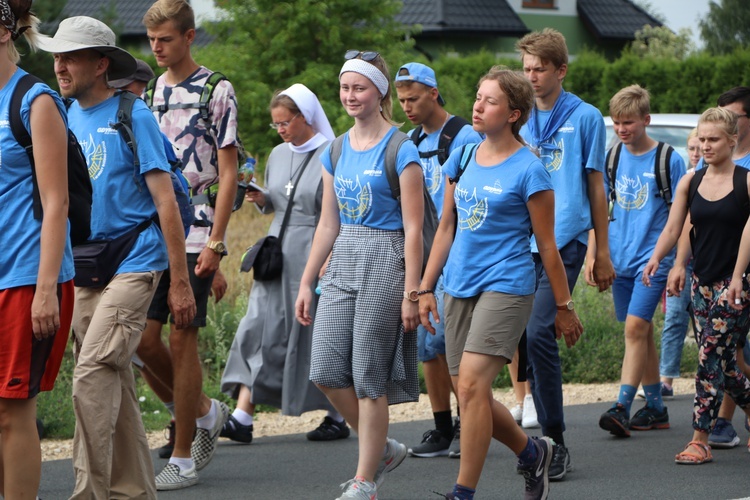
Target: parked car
[(672, 128)]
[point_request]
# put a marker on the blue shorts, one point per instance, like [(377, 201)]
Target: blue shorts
[(430, 346), (633, 298)]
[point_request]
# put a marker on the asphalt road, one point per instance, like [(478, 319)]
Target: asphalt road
[(290, 467)]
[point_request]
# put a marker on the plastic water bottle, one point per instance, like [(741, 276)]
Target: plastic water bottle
[(247, 171), (244, 177)]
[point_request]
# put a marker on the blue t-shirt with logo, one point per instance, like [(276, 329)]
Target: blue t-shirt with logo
[(574, 150), (639, 213), (120, 201), (433, 172), (361, 186), (491, 249), (19, 260)]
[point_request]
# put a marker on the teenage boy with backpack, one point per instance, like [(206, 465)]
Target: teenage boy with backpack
[(110, 452), (640, 200), (205, 134), (438, 133), (568, 135)]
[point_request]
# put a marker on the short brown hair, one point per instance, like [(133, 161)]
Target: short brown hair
[(548, 45), (519, 92), (178, 11), (631, 101)]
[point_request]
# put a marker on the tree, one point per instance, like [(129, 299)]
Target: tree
[(726, 27), (265, 45), (661, 42)]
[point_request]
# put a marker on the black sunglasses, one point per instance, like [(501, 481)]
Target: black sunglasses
[(366, 56)]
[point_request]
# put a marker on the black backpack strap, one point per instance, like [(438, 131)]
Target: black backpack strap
[(22, 135), (467, 152), (124, 125), (739, 178), (417, 136), (611, 162), (449, 132), (391, 153), (662, 171)]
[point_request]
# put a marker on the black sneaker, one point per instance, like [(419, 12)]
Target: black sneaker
[(536, 475), (648, 418), (329, 430), (235, 431), (615, 420), (560, 464), (166, 450), (434, 444), (454, 451)]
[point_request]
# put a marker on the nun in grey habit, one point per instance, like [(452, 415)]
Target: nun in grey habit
[(269, 361)]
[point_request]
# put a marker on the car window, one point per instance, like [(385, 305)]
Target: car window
[(674, 135)]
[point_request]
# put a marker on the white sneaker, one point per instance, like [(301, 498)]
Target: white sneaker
[(517, 413), (641, 393), (529, 420)]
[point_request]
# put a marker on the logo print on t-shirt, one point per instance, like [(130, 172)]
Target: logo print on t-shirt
[(471, 211), (551, 154), (96, 156), (354, 199), (632, 194), (433, 175)]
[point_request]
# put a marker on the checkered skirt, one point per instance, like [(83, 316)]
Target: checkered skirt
[(358, 338)]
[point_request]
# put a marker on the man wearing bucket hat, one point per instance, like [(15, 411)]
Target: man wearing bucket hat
[(110, 452), (422, 103), (136, 82)]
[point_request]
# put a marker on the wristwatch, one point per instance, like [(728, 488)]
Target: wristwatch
[(568, 306), (412, 295), (217, 246)]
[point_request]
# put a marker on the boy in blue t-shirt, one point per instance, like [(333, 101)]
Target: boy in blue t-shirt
[(418, 95), (639, 215)]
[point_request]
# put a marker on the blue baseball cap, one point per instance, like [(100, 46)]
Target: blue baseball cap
[(417, 72)]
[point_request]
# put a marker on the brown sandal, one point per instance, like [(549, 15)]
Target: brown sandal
[(690, 457)]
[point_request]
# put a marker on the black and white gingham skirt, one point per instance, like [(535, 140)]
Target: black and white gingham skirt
[(358, 338)]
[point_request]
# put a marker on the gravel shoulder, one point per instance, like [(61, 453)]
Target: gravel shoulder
[(274, 424)]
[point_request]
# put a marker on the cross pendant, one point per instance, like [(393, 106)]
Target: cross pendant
[(289, 186)]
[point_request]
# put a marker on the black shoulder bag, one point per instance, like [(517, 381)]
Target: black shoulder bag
[(265, 257)]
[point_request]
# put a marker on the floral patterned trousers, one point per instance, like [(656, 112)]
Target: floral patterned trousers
[(717, 330)]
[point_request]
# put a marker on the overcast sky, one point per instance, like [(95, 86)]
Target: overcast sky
[(683, 14)]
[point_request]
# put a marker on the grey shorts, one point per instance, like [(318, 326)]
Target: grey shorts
[(358, 338), (490, 323)]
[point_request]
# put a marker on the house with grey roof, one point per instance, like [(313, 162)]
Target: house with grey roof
[(458, 26)]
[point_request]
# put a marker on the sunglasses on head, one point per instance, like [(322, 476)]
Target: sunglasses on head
[(366, 56)]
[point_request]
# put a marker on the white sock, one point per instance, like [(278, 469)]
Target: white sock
[(333, 414), (208, 420), (183, 463), (170, 408), (242, 417)]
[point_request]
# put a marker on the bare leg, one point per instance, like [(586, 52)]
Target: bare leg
[(438, 383), (156, 356), (244, 401), (373, 430), (520, 389), (21, 454), (640, 363), (188, 378)]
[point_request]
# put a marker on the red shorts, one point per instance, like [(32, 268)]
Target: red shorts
[(28, 365)]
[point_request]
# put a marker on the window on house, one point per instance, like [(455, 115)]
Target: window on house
[(538, 4)]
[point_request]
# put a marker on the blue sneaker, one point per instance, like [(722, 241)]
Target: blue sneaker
[(723, 435), (536, 475)]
